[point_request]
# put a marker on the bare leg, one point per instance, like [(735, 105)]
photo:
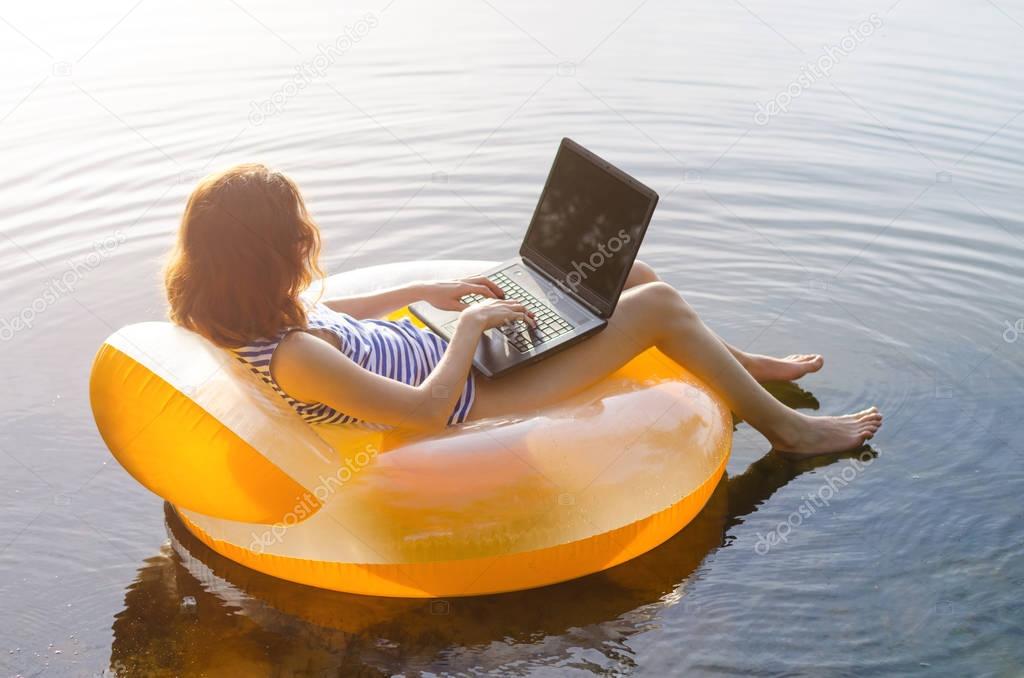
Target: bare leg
[(761, 367), (655, 315)]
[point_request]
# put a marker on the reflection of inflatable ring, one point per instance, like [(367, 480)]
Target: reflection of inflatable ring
[(492, 506)]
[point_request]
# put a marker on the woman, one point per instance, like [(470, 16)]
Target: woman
[(248, 247)]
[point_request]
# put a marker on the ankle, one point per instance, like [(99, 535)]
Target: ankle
[(786, 432), (745, 359)]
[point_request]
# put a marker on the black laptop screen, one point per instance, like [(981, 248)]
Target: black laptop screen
[(588, 225)]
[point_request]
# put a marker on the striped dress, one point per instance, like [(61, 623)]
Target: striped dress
[(395, 349)]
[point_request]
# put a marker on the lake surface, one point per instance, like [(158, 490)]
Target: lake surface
[(842, 178)]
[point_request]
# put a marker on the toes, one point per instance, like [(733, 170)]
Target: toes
[(868, 432), (869, 428)]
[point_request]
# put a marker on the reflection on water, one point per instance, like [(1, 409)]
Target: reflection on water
[(244, 620)]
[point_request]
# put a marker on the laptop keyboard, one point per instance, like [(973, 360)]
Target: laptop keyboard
[(523, 337)]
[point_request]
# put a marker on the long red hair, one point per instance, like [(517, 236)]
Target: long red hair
[(246, 248)]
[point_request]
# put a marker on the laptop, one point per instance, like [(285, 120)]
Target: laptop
[(572, 265)]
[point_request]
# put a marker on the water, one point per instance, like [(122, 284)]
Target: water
[(876, 220)]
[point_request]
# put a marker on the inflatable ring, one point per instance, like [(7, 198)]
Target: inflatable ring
[(486, 507)]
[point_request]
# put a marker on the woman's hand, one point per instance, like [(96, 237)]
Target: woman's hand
[(492, 313), (447, 295)]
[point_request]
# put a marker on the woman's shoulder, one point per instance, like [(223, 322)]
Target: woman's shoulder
[(295, 345), (301, 353)]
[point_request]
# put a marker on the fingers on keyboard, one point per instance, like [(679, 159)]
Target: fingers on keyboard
[(549, 324)]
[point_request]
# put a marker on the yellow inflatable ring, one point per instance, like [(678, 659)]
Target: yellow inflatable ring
[(487, 507)]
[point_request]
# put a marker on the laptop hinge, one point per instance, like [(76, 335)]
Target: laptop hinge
[(572, 295)]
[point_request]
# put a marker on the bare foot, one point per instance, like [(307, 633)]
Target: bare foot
[(826, 435), (790, 368)]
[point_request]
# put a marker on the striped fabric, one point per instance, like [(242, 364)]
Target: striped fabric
[(395, 349)]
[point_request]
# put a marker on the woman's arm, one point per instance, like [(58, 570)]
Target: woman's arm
[(378, 304), (311, 370), (445, 295)]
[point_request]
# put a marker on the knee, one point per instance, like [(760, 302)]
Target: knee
[(665, 303), (640, 274)]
